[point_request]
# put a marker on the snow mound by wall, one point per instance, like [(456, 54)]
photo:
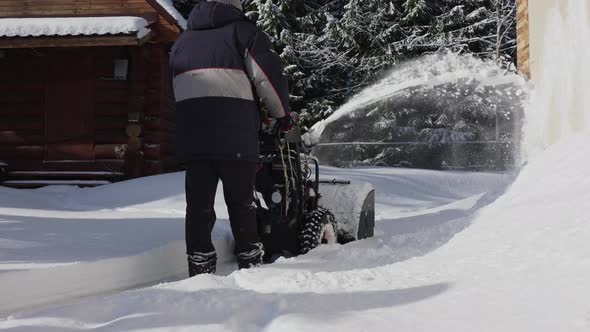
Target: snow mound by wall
[(560, 102)]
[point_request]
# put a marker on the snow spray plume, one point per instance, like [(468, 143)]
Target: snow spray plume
[(560, 102), (417, 112)]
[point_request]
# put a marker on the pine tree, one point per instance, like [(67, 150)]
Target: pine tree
[(417, 11), (270, 16), (331, 49)]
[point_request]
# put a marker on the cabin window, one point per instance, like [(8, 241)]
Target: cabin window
[(134, 117), (121, 69)]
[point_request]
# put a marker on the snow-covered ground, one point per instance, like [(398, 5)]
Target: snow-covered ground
[(60, 243), (443, 258), (452, 252)]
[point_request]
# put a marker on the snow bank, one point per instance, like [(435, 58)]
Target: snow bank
[(560, 104), (73, 26), (58, 243)]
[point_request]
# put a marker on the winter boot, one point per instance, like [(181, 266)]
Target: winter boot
[(251, 258), (202, 262)]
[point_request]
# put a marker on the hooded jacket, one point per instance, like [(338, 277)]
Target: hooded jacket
[(221, 67)]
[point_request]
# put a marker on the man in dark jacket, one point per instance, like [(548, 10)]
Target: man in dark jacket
[(221, 66)]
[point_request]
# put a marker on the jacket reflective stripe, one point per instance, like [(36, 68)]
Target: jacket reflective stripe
[(212, 82), (264, 88)]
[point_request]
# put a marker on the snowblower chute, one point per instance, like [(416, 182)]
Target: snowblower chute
[(296, 210)]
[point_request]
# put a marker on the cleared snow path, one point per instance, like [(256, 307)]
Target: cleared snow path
[(519, 264), (62, 243)]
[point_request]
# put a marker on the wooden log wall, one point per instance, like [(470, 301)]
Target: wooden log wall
[(133, 118), (522, 36), (22, 98), (111, 108), (159, 123), (142, 102)]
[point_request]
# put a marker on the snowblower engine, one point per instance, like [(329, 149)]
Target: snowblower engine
[(293, 216)]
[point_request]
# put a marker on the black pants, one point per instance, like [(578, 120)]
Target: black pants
[(238, 179)]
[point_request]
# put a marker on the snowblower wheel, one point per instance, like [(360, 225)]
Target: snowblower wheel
[(318, 227)]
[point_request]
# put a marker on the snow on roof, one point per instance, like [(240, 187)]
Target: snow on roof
[(71, 26), (169, 7)]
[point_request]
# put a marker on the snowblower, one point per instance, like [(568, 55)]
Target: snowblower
[(297, 210)]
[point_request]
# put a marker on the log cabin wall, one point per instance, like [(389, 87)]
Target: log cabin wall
[(522, 33), (114, 101), (22, 100), (129, 126), (134, 118), (159, 125), (62, 108)]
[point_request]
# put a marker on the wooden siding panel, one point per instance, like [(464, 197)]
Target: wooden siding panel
[(34, 152), (21, 137), (110, 137), (68, 41), (110, 165), (522, 32), (159, 122), (69, 105)]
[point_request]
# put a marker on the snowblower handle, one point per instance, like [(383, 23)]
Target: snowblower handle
[(285, 123), (286, 129)]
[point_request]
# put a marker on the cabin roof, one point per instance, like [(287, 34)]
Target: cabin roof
[(168, 7), (73, 26), (63, 23), (89, 8)]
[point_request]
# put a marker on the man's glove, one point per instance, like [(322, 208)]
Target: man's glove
[(285, 123)]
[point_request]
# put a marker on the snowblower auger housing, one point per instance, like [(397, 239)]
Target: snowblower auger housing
[(296, 210)]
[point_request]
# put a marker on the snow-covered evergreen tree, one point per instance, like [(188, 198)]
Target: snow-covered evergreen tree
[(333, 48)]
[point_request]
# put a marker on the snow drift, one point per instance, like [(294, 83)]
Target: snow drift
[(61, 243), (444, 258)]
